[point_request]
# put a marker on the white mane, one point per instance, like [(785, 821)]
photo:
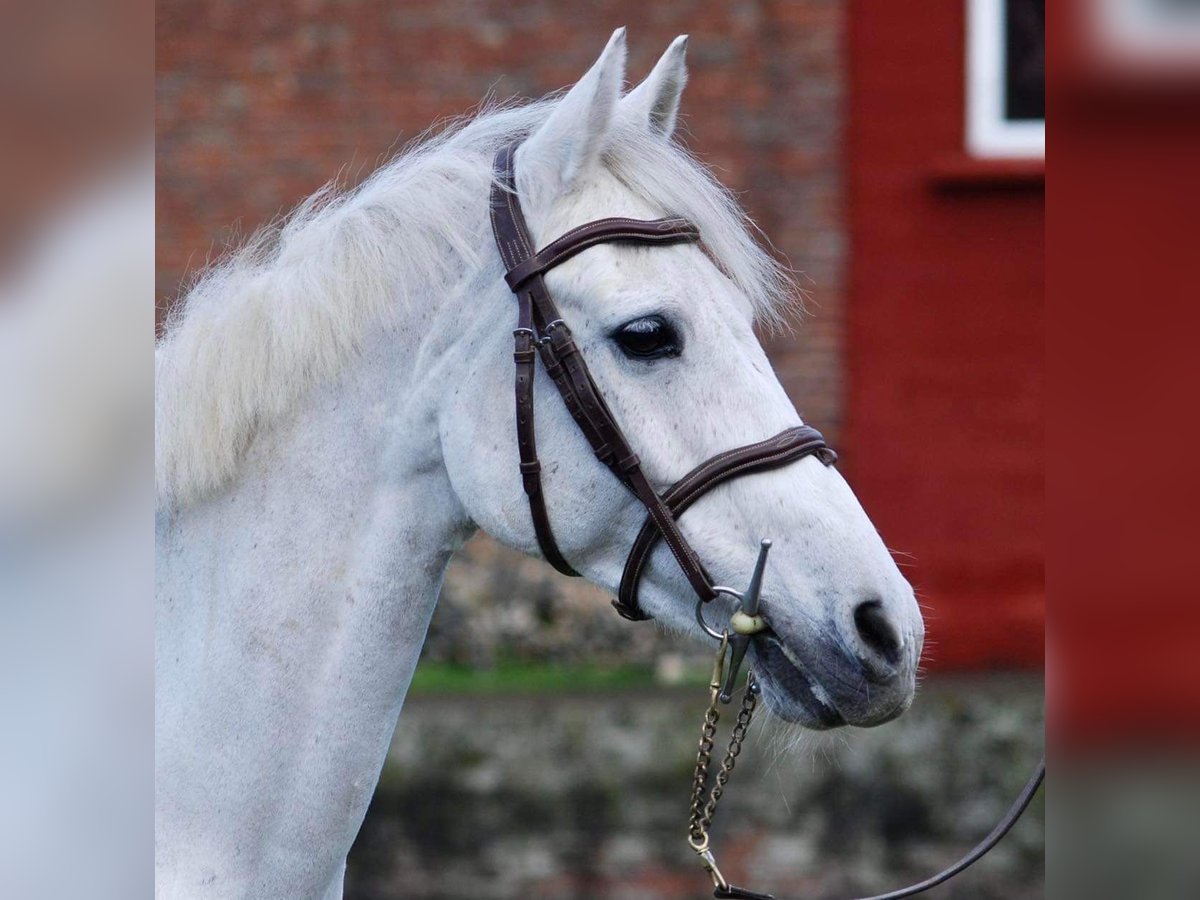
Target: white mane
[(261, 328)]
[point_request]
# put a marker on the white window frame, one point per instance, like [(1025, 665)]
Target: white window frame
[(989, 133)]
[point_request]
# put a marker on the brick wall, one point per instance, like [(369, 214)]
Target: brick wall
[(259, 103)]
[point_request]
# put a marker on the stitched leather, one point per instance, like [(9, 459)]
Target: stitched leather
[(542, 333), (671, 230), (784, 448)]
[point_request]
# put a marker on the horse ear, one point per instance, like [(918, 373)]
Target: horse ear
[(655, 102), (572, 138)]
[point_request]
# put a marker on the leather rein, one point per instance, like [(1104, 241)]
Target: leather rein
[(542, 333)]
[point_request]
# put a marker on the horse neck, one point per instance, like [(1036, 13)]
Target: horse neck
[(292, 610)]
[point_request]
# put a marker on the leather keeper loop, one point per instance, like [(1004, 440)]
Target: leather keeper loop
[(629, 463), (566, 349)]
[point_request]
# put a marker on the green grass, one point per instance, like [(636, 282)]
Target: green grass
[(524, 677)]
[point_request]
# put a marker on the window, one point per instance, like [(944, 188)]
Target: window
[(1006, 77)]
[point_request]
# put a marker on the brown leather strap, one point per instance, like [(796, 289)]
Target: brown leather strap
[(513, 242), (531, 467), (611, 447), (537, 314), (671, 230), (784, 448)]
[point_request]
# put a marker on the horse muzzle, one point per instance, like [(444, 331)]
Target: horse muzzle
[(819, 683)]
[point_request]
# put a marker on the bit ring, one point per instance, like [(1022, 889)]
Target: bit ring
[(708, 629)]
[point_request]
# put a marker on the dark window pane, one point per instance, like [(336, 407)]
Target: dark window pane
[(1025, 59)]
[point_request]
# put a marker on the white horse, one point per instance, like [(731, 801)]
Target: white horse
[(335, 419)]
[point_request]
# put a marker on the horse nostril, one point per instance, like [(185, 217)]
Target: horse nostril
[(877, 632)]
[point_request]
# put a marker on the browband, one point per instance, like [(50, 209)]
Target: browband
[(541, 332), (654, 231)]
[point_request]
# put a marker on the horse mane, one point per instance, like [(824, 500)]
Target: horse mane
[(290, 308)]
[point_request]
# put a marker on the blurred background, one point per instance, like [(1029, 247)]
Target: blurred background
[(896, 161)]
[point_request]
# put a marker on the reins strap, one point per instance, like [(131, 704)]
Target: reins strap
[(976, 853), (980, 850)]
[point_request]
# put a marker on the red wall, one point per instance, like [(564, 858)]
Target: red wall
[(944, 340)]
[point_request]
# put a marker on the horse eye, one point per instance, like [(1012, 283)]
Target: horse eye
[(650, 337)]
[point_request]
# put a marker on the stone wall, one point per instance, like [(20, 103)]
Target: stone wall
[(586, 796), (498, 604)]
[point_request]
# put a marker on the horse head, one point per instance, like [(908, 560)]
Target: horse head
[(668, 333)]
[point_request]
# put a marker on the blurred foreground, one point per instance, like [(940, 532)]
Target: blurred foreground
[(76, 433)]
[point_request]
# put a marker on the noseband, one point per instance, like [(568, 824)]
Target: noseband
[(542, 332)]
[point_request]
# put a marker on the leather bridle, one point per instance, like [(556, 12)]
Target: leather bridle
[(541, 332)]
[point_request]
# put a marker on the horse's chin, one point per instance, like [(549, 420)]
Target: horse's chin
[(789, 690)]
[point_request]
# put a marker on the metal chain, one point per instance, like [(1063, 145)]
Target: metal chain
[(704, 800), (700, 818), (749, 702)]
